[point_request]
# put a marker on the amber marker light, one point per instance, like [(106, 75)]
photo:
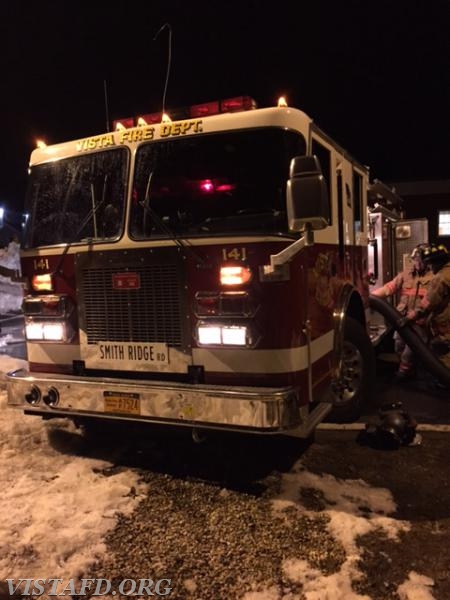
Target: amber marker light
[(41, 144), (42, 283), (236, 275), (282, 102)]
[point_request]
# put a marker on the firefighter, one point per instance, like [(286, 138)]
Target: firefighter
[(411, 286), (436, 304)]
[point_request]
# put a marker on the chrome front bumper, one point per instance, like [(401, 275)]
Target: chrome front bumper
[(264, 410)]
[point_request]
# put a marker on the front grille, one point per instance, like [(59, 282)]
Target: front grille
[(151, 313)]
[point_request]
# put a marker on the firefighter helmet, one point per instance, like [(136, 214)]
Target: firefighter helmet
[(418, 251), (435, 255), (393, 428)]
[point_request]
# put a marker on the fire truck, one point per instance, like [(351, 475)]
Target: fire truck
[(207, 269)]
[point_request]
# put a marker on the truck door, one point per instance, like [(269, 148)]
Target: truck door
[(346, 232)]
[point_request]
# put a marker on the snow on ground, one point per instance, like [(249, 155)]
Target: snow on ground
[(11, 292), (14, 301), (56, 507), (354, 509)]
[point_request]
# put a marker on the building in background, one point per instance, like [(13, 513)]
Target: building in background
[(431, 200)]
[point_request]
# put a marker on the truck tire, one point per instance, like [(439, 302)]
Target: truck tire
[(352, 390)]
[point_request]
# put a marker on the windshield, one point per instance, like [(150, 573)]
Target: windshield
[(213, 184), (78, 198)]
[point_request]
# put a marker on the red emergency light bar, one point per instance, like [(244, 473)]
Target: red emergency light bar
[(239, 103)]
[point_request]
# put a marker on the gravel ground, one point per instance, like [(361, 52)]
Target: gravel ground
[(213, 542), (419, 480), (207, 522)]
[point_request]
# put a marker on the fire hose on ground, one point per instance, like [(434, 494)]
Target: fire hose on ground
[(407, 330)]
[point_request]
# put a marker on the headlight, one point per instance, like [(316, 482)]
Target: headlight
[(208, 334), (49, 331), (222, 335)]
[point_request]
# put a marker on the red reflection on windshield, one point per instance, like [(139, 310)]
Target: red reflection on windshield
[(209, 186), (206, 186)]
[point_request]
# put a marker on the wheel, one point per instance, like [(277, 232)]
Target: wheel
[(351, 391)]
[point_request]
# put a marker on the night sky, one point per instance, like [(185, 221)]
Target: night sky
[(374, 75)]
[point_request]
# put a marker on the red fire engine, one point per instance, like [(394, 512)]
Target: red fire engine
[(208, 271)]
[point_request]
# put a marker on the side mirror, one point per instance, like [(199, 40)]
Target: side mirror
[(308, 205)]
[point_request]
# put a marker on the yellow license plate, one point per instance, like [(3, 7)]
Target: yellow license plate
[(122, 403)]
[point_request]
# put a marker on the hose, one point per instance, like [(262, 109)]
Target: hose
[(407, 330)]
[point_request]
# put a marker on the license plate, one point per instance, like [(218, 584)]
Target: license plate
[(122, 403)]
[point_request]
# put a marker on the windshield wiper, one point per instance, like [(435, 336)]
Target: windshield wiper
[(91, 215), (182, 243)]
